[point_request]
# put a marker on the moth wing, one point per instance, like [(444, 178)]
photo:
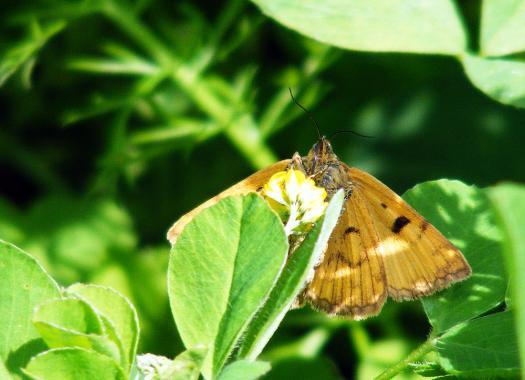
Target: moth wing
[(253, 183), (350, 280), (418, 260)]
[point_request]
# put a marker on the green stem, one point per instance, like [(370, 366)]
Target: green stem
[(415, 355), (129, 23), (359, 337), (240, 129)]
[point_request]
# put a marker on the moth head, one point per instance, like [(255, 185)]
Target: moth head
[(322, 148)]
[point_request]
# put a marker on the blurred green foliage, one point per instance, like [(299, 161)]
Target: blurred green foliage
[(117, 117)]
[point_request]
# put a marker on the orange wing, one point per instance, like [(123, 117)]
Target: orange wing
[(417, 258), (381, 246), (351, 279), (253, 183)]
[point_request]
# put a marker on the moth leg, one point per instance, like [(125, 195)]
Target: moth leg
[(297, 163)]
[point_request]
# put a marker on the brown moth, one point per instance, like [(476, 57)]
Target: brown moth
[(380, 246)]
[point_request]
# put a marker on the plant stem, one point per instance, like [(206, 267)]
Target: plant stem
[(359, 337), (415, 355), (239, 128)]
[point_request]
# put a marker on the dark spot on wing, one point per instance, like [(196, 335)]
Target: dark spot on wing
[(399, 223), (259, 189), (424, 225), (384, 205), (350, 230)]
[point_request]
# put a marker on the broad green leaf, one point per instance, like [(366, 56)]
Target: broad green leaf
[(23, 285), (298, 269), (21, 52), (72, 322), (432, 26), (221, 269), (509, 200), (481, 348), (69, 314), (73, 364), (502, 27), (244, 370), (303, 369), (118, 310), (4, 373), (466, 217), (503, 79)]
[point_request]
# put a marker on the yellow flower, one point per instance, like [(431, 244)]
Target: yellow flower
[(297, 200)]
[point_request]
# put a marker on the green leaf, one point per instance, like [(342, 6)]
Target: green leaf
[(466, 217), (481, 348), (23, 51), (502, 79), (509, 200), (292, 280), (73, 364), (72, 322), (4, 373), (432, 26), (23, 285), (244, 370), (118, 311), (222, 267), (502, 27)]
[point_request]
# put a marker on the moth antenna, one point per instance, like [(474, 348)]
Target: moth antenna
[(306, 112), (350, 131)]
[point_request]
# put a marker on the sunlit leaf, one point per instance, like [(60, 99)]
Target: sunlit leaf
[(244, 370), (502, 27), (73, 364), (215, 271), (298, 269), (432, 26), (73, 323), (118, 310), (503, 79), (481, 348), (509, 200), (23, 285)]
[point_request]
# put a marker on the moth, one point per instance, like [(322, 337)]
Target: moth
[(381, 247)]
